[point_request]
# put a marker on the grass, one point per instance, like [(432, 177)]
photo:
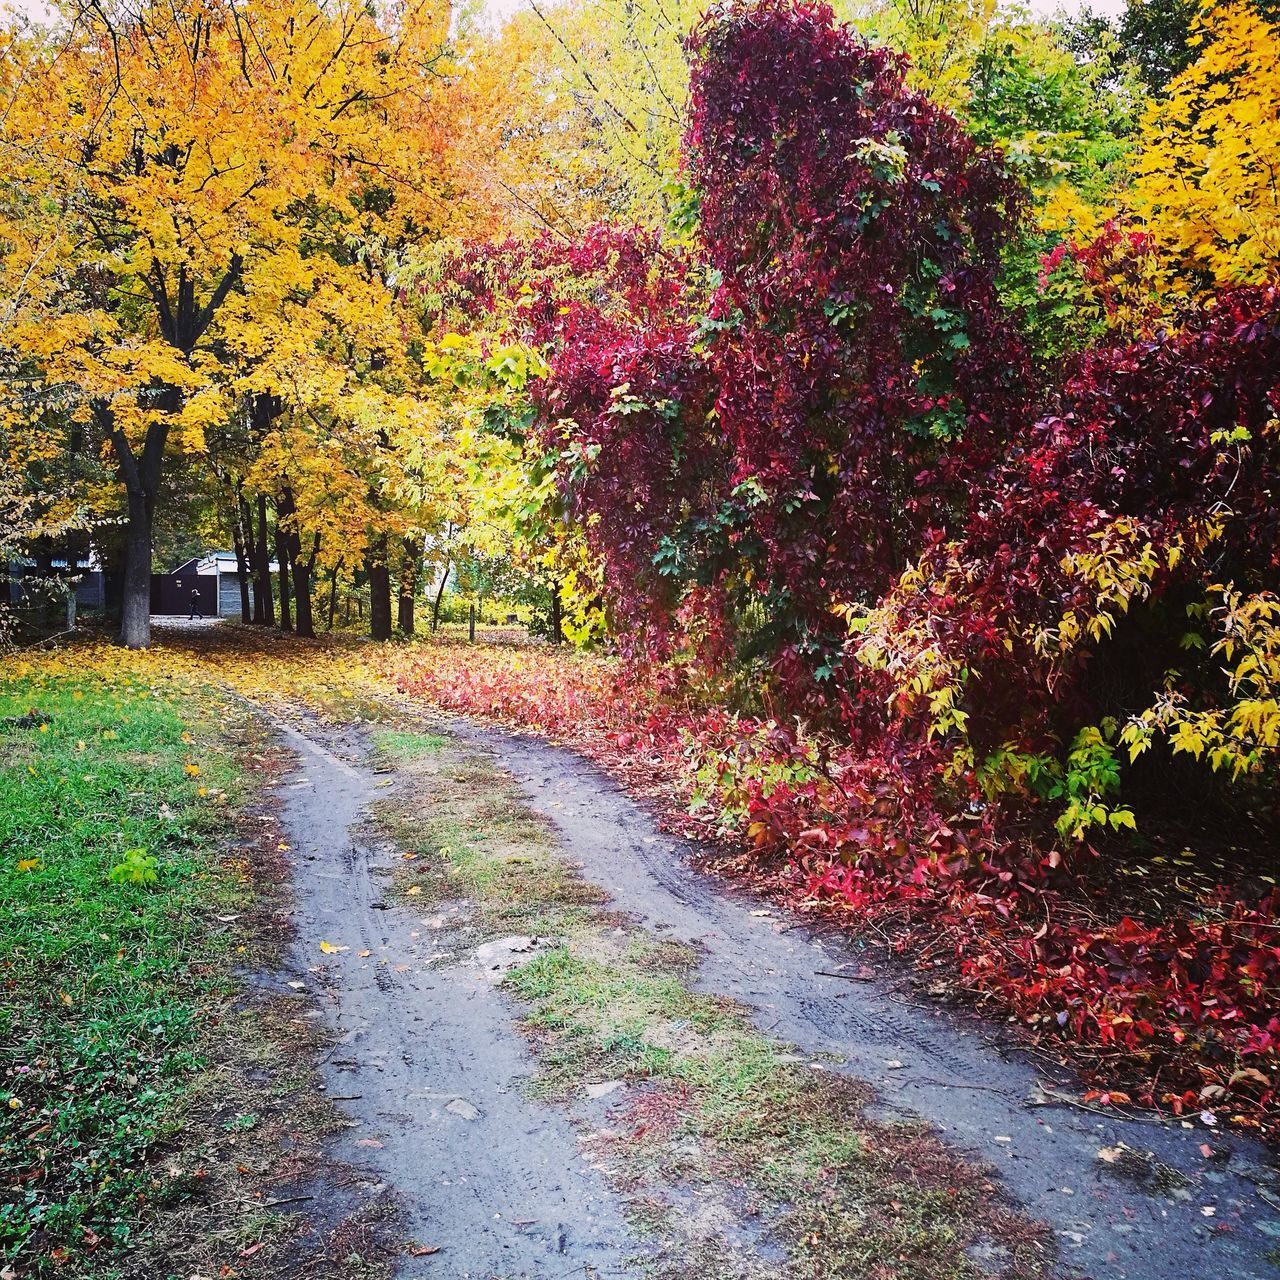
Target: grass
[(741, 1162), (395, 746), (477, 840), (114, 796)]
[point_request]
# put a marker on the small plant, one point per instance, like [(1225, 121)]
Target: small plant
[(137, 867)]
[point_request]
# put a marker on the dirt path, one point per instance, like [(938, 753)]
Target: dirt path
[(429, 1064), (428, 1061)]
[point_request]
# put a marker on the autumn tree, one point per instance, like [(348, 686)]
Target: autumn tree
[(166, 167), (624, 64), (1206, 186)]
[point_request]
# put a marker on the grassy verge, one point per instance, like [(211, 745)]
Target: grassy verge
[(741, 1160), (156, 1117), (111, 801)]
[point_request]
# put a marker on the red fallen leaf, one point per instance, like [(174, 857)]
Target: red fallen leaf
[(423, 1250), (252, 1249), (1206, 1150)]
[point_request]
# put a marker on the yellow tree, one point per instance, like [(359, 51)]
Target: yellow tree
[(1208, 183), (166, 165), (623, 63), (942, 38), (533, 148)]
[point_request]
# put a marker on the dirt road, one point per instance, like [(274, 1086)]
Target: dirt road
[(429, 1062)]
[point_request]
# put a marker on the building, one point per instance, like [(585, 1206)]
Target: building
[(90, 589), (221, 567)]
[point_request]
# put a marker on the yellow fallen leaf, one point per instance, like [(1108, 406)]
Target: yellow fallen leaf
[(28, 864), (364, 955), (330, 950), (192, 769), (417, 888)]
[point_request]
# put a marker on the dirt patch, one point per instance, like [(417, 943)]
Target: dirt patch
[(760, 1166), (426, 1065)]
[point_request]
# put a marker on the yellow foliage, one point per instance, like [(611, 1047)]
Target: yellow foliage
[(1206, 186), (1244, 733), (198, 200)]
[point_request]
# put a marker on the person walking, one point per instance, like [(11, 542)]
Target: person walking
[(195, 605)]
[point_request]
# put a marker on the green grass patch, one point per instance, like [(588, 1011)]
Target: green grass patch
[(113, 797), (398, 745), (471, 837)]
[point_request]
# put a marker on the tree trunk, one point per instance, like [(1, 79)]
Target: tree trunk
[(183, 321), (409, 568), (266, 615), (333, 595), (258, 617), (302, 566), (140, 474), (242, 562), (379, 589), (282, 564), (303, 569), (135, 612), (557, 615), (435, 604)]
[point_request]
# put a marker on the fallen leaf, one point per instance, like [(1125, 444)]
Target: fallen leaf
[(412, 889), (330, 950), (364, 955), (423, 1250), (368, 1142)]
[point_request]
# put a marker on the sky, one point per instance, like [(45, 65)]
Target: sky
[(502, 7)]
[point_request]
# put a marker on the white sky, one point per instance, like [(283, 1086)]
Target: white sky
[(500, 8), (1044, 8)]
